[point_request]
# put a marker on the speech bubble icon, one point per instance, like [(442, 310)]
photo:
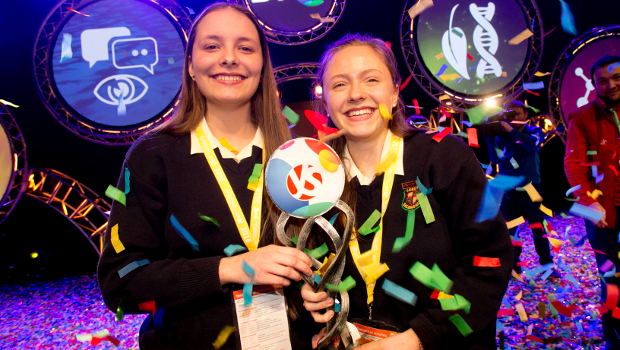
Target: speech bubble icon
[(95, 43), (135, 53)]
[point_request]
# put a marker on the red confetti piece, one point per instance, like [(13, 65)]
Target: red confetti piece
[(318, 121), (417, 106), (534, 338), (556, 249), (112, 340), (388, 45), (532, 92), (522, 264), (404, 84), (602, 309), (438, 137), (614, 169), (486, 262), (444, 112), (590, 164), (472, 137), (564, 310), (78, 12), (612, 296), (536, 225), (470, 57), (549, 227), (517, 244), (549, 32), (435, 294), (505, 312), (148, 306), (597, 251)]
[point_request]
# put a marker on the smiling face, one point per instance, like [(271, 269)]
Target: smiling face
[(355, 82), (227, 58), (607, 83)]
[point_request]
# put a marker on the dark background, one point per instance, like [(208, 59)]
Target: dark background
[(34, 226)]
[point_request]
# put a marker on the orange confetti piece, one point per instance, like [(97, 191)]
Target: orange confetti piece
[(439, 56), (472, 137)]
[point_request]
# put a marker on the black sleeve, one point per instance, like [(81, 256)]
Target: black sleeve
[(141, 230), (483, 287)]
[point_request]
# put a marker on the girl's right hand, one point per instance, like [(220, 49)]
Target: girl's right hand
[(272, 265), (314, 302)]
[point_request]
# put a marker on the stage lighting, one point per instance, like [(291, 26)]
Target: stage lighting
[(35, 254), (318, 90), (491, 102)]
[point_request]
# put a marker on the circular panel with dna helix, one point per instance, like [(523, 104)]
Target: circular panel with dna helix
[(13, 163)]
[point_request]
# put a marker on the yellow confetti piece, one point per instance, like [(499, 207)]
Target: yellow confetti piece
[(546, 210), (332, 136), (7, 103), (116, 242), (223, 336), (385, 113), (326, 263), (520, 37), (375, 271), (541, 74), (519, 296), (386, 162), (443, 295), (227, 145), (516, 222), (322, 19), (517, 276), (521, 312), (555, 242), (617, 274), (252, 186), (595, 194), (439, 56), (534, 195), (446, 77), (444, 97)]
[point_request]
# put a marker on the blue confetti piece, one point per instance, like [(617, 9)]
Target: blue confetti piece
[(442, 69), (333, 219), (66, 52), (534, 86), (247, 294), (567, 20), (421, 187), (317, 278), (183, 232), (233, 249), (191, 12), (132, 266), (610, 273), (247, 268), (498, 326), (546, 274), (158, 320), (458, 81), (440, 128), (586, 212), (465, 122), (579, 326), (572, 279), (126, 180), (337, 306), (505, 182), (121, 110), (398, 292)]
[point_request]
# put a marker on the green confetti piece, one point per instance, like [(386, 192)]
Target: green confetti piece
[(120, 310), (536, 110), (319, 252), (300, 284), (455, 31), (294, 240), (402, 242), (551, 299), (170, 60), (564, 215), (233, 249), (427, 211), (591, 153), (514, 163), (423, 274), (258, 168), (366, 227), (115, 194), (343, 286), (209, 219), (461, 325), (290, 115), (440, 280), (483, 111), (456, 303), (395, 291), (462, 134)]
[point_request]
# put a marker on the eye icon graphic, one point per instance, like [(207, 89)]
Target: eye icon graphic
[(112, 90)]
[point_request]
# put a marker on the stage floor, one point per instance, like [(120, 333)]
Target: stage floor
[(50, 315)]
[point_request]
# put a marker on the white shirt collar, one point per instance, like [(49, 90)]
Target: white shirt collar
[(226, 154), (352, 171)]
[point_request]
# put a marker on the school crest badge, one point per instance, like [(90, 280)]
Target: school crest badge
[(410, 201)]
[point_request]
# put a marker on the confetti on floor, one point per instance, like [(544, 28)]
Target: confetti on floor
[(49, 315), (583, 329)]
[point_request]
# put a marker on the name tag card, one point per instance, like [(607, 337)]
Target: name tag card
[(263, 325)]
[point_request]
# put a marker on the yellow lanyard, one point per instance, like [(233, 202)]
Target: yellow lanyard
[(249, 237), (386, 191)]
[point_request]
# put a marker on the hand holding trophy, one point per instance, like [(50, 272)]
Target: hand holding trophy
[(305, 179)]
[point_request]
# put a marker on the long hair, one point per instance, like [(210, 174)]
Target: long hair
[(265, 104), (398, 124)]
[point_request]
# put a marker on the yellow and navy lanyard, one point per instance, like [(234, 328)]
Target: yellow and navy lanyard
[(249, 234), (386, 191)]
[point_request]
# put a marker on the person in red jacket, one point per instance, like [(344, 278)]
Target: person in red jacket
[(595, 127)]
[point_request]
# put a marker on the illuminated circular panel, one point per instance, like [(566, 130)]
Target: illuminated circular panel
[(6, 162), (13, 164), (295, 22), (461, 49), (570, 85), (304, 177), (115, 66)]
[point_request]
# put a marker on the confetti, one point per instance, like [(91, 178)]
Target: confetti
[(541, 74), (247, 293), (402, 242), (78, 12), (546, 210), (521, 312), (405, 83), (492, 197), (516, 222), (116, 242), (586, 212), (456, 302), (481, 112), (445, 132), (209, 219), (366, 227), (121, 110), (386, 162), (385, 113), (290, 115), (419, 7), (472, 137), (170, 60), (322, 19), (573, 189), (66, 52), (132, 266), (223, 336), (442, 69), (567, 20), (417, 107), (345, 285), (519, 38), (461, 325), (486, 262), (534, 86), (439, 56), (233, 249), (514, 163), (115, 194), (184, 233), (126, 181), (256, 172), (398, 292), (318, 121), (531, 191), (318, 252)]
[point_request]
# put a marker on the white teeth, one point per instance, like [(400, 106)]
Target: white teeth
[(360, 112), (228, 77)]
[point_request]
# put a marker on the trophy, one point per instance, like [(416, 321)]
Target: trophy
[(305, 178)]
